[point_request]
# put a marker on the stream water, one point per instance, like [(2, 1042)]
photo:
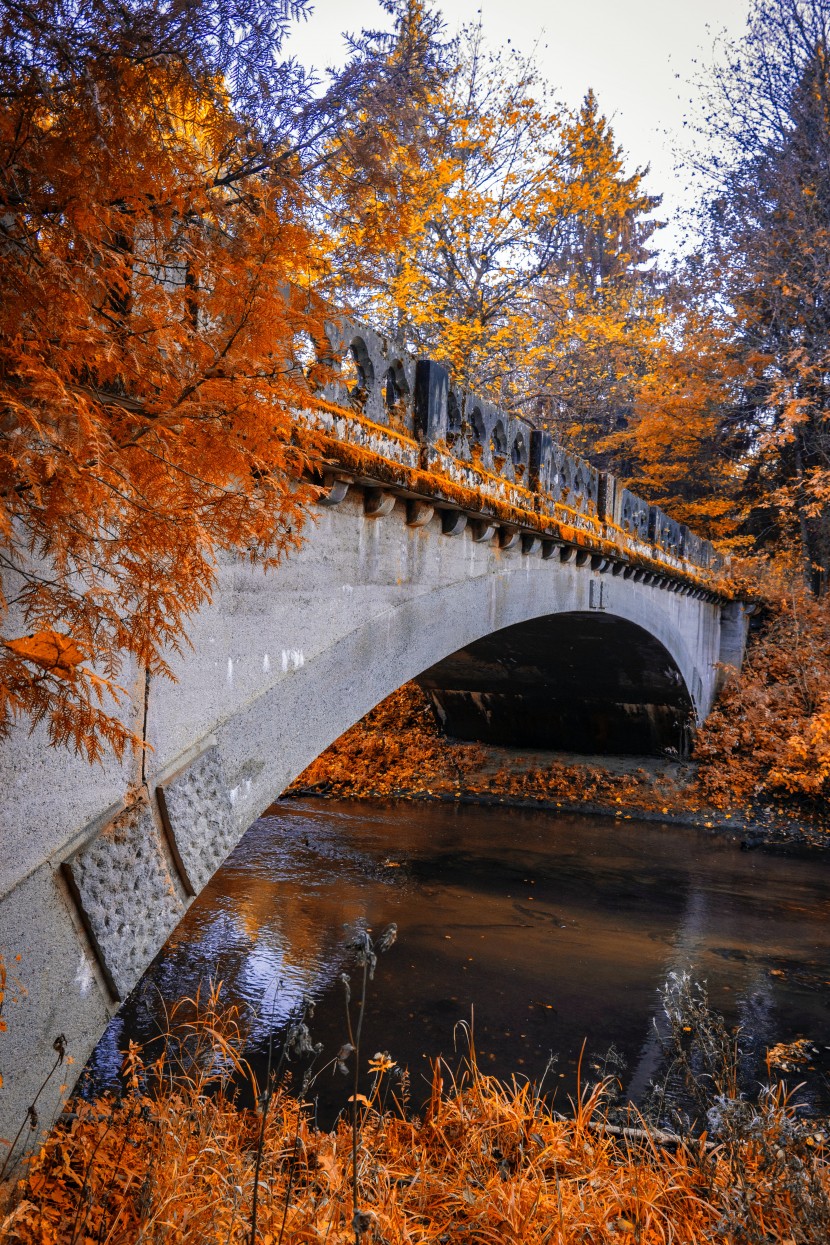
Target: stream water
[(542, 931)]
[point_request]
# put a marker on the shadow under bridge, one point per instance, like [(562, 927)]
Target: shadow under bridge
[(575, 682)]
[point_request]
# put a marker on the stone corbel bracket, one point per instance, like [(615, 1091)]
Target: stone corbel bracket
[(132, 882), (127, 893), (378, 503), (334, 490), (419, 513)]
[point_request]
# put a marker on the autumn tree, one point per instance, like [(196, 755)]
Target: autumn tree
[(157, 258), (768, 230), (687, 437), (516, 244), (471, 281), (464, 211), (383, 165), (599, 302)]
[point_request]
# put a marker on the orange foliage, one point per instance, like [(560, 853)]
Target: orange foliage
[(770, 731), (500, 234), (51, 650), (395, 749), (599, 305), (190, 1163), (485, 1161), (680, 447), (804, 767), (146, 374), (399, 750)]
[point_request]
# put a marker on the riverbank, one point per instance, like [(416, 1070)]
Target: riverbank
[(483, 1161), (398, 751)]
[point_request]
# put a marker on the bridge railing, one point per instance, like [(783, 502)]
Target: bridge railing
[(408, 413)]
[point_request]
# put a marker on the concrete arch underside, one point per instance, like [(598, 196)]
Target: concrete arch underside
[(280, 665), (335, 686), (570, 682)]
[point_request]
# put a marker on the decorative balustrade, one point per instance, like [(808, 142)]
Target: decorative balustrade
[(401, 427)]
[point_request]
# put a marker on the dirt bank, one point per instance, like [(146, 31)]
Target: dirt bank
[(398, 751)]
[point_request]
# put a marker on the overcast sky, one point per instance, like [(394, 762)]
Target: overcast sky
[(640, 57)]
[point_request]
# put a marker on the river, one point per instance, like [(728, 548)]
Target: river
[(543, 931)]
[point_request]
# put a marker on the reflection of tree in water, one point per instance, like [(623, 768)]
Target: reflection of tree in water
[(659, 1081), (553, 929), (270, 928), (688, 946)]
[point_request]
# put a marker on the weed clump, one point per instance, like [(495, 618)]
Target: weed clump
[(175, 1158), (753, 1134)]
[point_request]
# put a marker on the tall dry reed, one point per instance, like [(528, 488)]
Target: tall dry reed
[(175, 1159)]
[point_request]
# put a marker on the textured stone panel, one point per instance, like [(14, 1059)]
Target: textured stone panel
[(196, 809), (126, 894)]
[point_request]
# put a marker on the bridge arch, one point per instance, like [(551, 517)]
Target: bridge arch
[(280, 665), (572, 682), (405, 600)]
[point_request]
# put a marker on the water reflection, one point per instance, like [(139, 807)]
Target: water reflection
[(545, 930)]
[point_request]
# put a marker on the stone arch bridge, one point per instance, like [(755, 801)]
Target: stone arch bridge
[(536, 599)]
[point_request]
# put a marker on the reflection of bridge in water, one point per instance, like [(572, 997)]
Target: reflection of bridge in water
[(538, 601)]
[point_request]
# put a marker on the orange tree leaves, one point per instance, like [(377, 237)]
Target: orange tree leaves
[(147, 299), (600, 305), (514, 244), (51, 650), (769, 733), (684, 444)]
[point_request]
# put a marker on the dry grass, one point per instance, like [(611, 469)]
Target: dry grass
[(485, 1162)]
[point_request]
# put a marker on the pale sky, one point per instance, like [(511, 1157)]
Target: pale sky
[(640, 57)]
